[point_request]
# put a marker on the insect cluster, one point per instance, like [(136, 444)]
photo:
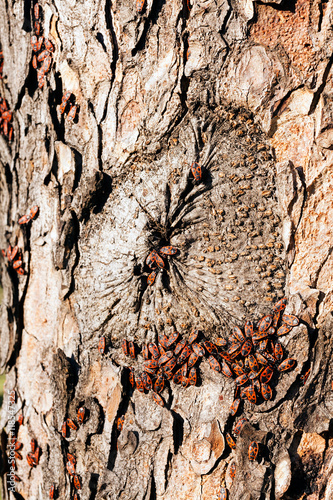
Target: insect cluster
[(155, 261), (42, 48), (65, 103), (14, 258), (71, 460), (6, 116), (29, 216)]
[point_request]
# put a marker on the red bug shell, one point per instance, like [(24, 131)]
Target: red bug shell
[(168, 374), (76, 496), (270, 358), (246, 348), (222, 495), (139, 383), (283, 330), (146, 380), (64, 101), (290, 320), (49, 45), (234, 350), (234, 407), (251, 394), (278, 351), (154, 350), (230, 441), (163, 340), (239, 425), (131, 349), (196, 171), (242, 379), (71, 458), (198, 349), (169, 366), (159, 383), (18, 445), (40, 78), (17, 455), (20, 270), (186, 352), (260, 336), (150, 260), (16, 478), (37, 27), (151, 364), (51, 491), (169, 250), (304, 377), (34, 65), (271, 330), (177, 378), (120, 423), (159, 261), (252, 375), (33, 211), (179, 347), (72, 113), (280, 305), (64, 429), (140, 5), (253, 450), (256, 384), (33, 444), (46, 64), (43, 55), (70, 468), (192, 376), (265, 323), (263, 345), (40, 43), (71, 424), (192, 359), (232, 471), (253, 365), (80, 415), (210, 347), (248, 329), (184, 369), (287, 364), (13, 253), (76, 481), (30, 460), (151, 278), (124, 346), (221, 342), (165, 357), (101, 345), (157, 398), (25, 218), (214, 364), (36, 455), (225, 369), (34, 42), (266, 375), (17, 264), (185, 381), (193, 337), (172, 338), (145, 352), (266, 391), (237, 332), (276, 317), (37, 11), (131, 378)]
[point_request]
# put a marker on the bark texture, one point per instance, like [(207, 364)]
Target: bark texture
[(243, 88)]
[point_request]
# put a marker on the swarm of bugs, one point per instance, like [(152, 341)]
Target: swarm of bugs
[(34, 454), (251, 358), (6, 116), (42, 48), (67, 104), (14, 258), (29, 216)]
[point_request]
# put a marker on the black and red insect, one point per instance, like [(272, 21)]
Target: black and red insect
[(70, 468), (158, 399), (234, 407), (196, 171), (232, 471), (77, 482), (253, 450), (81, 414), (230, 441), (101, 345), (287, 364), (71, 424)]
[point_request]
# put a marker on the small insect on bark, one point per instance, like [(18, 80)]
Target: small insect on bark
[(196, 171), (81, 414), (101, 345), (70, 468), (151, 278), (64, 101), (77, 482), (232, 471), (223, 495), (71, 458), (253, 450), (51, 491), (140, 5), (72, 113), (157, 398), (230, 441), (71, 424)]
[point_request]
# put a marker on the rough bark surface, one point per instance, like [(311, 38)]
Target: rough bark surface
[(243, 88)]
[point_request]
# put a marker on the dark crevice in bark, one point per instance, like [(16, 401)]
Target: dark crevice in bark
[(54, 99), (93, 483), (151, 19), (318, 93), (27, 15), (178, 431), (115, 50)]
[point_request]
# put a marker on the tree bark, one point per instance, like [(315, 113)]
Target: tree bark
[(244, 89)]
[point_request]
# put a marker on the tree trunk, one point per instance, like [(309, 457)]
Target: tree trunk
[(245, 91)]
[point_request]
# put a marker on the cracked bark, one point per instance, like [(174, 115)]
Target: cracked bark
[(243, 88)]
